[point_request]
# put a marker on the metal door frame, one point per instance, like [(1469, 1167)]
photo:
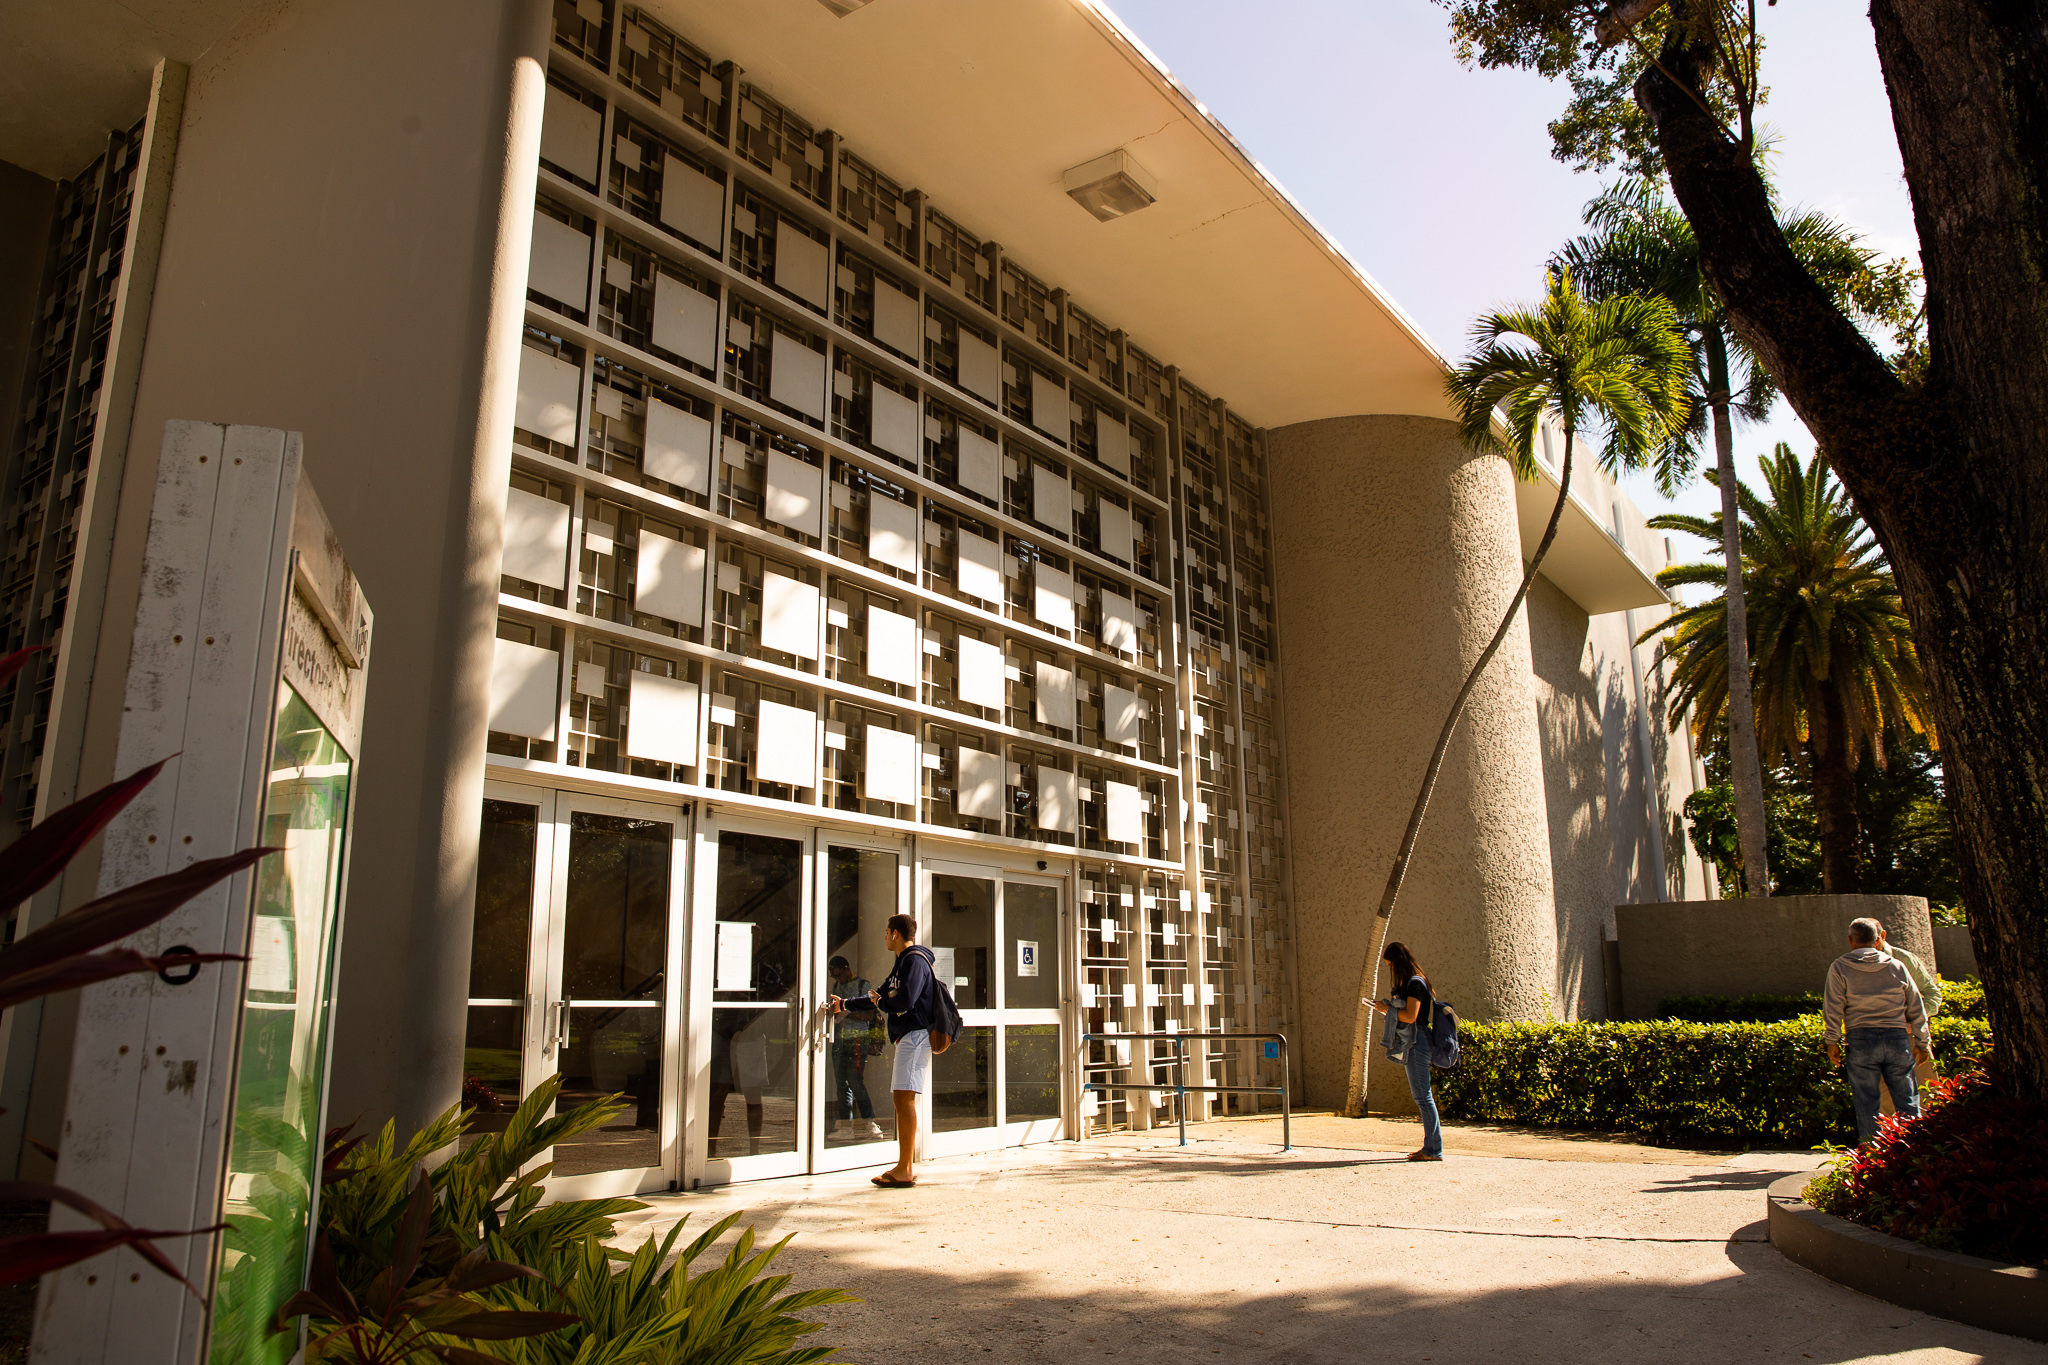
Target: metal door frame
[(700, 1167), (1001, 1133), (823, 1159), (547, 920)]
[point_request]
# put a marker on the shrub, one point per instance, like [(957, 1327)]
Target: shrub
[(534, 1279), (1738, 1009), (1670, 1080), (1962, 1000), (1964, 1176), (1959, 1000)]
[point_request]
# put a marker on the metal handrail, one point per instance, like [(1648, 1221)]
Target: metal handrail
[(1183, 1090)]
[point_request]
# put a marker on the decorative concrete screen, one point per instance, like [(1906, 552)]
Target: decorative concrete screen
[(808, 412)]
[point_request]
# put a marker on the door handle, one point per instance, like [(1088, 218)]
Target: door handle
[(560, 1031)]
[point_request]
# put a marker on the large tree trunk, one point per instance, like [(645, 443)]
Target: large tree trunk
[(1953, 476), (1745, 773), (1834, 791)]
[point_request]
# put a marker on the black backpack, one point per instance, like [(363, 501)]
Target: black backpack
[(946, 1026)]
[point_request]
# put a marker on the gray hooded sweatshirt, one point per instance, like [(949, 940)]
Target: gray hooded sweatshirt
[(1866, 989)]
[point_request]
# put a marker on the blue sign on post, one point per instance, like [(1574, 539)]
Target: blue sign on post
[(1272, 1050)]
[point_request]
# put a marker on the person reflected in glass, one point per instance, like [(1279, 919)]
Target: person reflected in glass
[(853, 1042), (909, 1001)]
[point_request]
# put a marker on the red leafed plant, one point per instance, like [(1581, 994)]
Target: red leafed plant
[(1967, 1175), (66, 954)]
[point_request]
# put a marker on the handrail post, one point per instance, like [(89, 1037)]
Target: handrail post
[(1180, 1047), (1286, 1100)]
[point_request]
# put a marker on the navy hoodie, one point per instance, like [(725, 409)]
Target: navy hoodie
[(907, 995)]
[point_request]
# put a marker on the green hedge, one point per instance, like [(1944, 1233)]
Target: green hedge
[(1738, 1009), (1959, 999), (1670, 1080)]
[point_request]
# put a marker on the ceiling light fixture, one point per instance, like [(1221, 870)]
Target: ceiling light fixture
[(1111, 186), (841, 8)]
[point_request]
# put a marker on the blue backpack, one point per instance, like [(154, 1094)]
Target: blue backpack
[(1443, 1036)]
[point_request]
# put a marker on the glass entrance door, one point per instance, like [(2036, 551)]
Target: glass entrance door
[(1000, 942), (572, 973), (854, 1115), (755, 1119)]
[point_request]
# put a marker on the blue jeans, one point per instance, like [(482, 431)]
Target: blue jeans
[(1874, 1054), (849, 1079), (1417, 1063)]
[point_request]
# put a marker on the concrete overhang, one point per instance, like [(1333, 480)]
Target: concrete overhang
[(985, 106), (72, 71), (1586, 562)]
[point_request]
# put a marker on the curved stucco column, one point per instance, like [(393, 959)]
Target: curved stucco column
[(1396, 550)]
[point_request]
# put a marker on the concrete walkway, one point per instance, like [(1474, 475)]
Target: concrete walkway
[(1564, 1250)]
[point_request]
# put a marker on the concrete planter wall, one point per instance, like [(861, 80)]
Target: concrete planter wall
[(1967, 1289), (1954, 952), (1778, 946)]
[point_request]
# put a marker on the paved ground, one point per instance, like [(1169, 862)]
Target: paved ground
[(1520, 1247)]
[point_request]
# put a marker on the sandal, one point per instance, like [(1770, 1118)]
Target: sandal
[(889, 1182)]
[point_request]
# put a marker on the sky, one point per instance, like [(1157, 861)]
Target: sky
[(1439, 179)]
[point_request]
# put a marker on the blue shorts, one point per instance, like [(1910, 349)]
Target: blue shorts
[(913, 1066)]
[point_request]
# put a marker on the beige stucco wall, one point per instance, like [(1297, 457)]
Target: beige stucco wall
[(1615, 781), (330, 266), (1395, 551), (1779, 946)]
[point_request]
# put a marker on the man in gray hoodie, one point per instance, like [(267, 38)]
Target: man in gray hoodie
[(1873, 1005)]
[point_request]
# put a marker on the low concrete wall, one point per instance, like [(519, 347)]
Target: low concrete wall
[(1779, 946), (1954, 954), (1967, 1289)]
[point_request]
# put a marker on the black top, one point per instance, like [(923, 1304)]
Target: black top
[(1416, 989), (908, 996)]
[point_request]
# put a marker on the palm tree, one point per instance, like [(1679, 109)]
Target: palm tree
[(1642, 244), (1619, 364), (1831, 650)]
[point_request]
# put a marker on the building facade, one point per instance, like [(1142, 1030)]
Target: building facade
[(786, 506)]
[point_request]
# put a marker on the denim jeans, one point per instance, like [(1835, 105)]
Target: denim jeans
[(849, 1079), (1874, 1054), (1417, 1063)]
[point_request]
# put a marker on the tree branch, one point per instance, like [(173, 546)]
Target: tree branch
[(1620, 19), (1834, 377)]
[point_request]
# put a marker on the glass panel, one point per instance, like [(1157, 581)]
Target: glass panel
[(963, 932), (504, 901), (753, 1082), (1031, 1071), (275, 1148), (860, 895), (760, 909), (963, 1083), (612, 1050), (1031, 964), (490, 1066), (614, 948), (615, 938)]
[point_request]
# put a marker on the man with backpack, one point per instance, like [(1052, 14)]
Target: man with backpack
[(922, 1020)]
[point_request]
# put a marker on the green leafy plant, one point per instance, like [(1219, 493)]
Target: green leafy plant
[(395, 1321), (475, 1231), (653, 1310), (1964, 1176), (489, 1186), (1671, 1080), (1962, 1000)]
